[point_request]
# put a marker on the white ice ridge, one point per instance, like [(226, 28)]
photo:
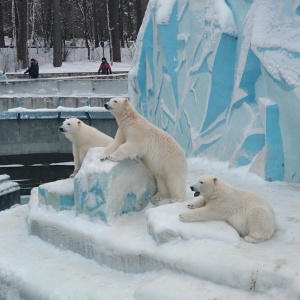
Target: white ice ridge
[(219, 13), (7, 186), (164, 11)]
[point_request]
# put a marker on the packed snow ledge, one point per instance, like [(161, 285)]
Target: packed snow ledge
[(162, 257)]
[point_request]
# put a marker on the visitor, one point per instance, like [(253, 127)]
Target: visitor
[(104, 68), (33, 70), (3, 76)]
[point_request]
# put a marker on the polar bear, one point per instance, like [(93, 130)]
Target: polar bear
[(83, 137), (248, 213), (136, 138)]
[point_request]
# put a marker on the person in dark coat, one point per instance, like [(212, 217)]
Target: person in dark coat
[(33, 70), (104, 68)]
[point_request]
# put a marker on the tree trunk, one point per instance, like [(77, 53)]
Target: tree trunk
[(121, 26), (113, 7), (2, 41), (21, 32), (57, 46), (129, 35), (141, 9), (96, 23)]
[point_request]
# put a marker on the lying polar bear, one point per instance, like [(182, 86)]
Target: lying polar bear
[(83, 138), (137, 138), (247, 212)]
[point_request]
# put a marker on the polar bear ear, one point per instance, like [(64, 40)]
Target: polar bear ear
[(79, 122), (215, 179)]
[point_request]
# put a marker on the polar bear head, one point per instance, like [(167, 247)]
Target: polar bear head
[(70, 126), (206, 186), (117, 106)]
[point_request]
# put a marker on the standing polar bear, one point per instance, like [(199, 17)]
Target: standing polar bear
[(248, 213), (137, 138), (83, 137)]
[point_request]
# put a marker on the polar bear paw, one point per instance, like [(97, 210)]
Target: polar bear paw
[(159, 196), (74, 173), (112, 159), (191, 206), (255, 238), (184, 217)]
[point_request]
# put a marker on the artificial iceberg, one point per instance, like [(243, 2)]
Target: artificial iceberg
[(223, 78)]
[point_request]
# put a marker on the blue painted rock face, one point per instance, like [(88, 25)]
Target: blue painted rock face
[(106, 190), (223, 79)]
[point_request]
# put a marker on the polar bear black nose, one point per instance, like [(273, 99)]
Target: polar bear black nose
[(106, 105), (192, 188), (61, 129)]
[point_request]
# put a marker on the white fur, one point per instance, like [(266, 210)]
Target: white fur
[(136, 138), (247, 212), (83, 137)]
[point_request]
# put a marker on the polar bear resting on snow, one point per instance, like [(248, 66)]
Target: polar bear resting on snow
[(83, 138), (137, 138), (247, 212)]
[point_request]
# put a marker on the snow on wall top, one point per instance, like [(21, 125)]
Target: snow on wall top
[(7, 186)]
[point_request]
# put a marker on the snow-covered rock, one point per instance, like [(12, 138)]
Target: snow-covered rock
[(101, 190), (108, 189)]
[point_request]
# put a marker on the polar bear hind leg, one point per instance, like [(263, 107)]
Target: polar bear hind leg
[(162, 189), (176, 187), (260, 225)]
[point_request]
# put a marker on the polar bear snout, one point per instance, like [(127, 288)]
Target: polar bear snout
[(197, 193), (107, 106), (61, 129)]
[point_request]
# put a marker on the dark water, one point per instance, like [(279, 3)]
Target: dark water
[(31, 170)]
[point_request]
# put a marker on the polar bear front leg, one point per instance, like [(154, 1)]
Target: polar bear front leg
[(109, 149), (77, 163), (199, 214), (127, 150), (114, 145), (197, 204)]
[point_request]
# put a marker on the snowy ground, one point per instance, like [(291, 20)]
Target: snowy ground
[(82, 66), (203, 260), (77, 61)]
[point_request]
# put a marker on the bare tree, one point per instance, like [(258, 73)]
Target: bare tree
[(121, 23), (113, 15), (20, 11), (2, 41), (96, 23), (141, 6), (57, 45)]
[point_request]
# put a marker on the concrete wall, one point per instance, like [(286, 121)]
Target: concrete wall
[(64, 87), (69, 74), (27, 136), (7, 103)]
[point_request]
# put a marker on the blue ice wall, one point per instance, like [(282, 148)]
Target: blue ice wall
[(223, 78)]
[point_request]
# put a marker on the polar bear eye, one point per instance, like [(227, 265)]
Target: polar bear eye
[(115, 101), (201, 182), (69, 124)]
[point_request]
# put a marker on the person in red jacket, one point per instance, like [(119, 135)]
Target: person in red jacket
[(104, 68)]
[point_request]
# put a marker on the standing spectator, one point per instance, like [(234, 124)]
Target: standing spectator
[(104, 68), (33, 70), (3, 75)]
